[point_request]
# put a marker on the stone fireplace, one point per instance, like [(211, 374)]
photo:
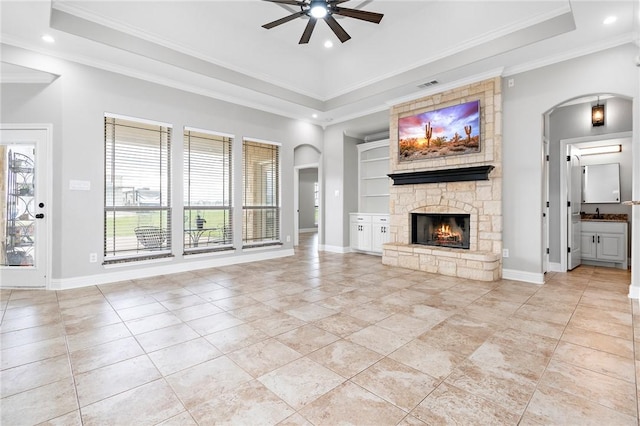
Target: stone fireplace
[(451, 191)]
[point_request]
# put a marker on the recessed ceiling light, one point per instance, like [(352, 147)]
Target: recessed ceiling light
[(314, 115), (328, 44), (610, 20), (48, 38)]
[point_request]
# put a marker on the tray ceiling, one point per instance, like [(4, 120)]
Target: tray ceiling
[(218, 48)]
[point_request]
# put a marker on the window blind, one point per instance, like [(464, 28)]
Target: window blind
[(137, 197), (261, 193), (207, 192)]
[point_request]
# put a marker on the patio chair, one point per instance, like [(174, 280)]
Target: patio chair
[(219, 236), (150, 237)]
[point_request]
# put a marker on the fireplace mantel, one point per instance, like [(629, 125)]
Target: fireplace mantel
[(447, 175)]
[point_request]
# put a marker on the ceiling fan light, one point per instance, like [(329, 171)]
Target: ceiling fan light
[(318, 9), (318, 12)]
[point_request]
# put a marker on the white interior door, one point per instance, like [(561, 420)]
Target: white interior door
[(545, 210), (23, 206), (574, 195)]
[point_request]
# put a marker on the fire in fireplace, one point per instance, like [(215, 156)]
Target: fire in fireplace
[(444, 230)]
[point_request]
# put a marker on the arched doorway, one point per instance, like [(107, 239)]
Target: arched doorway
[(568, 125)]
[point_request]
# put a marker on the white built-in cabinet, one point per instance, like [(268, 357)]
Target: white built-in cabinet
[(369, 227), (604, 242), (368, 232)]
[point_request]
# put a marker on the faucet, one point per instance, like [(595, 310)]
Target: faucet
[(597, 212)]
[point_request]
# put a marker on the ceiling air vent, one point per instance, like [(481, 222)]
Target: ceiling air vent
[(428, 84)]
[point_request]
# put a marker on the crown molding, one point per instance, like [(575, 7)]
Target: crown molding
[(570, 54), (461, 47), (152, 78), (82, 13), (36, 77)]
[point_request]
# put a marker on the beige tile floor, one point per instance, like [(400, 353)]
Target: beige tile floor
[(323, 339)]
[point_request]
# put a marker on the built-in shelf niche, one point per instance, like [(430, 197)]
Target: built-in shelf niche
[(373, 182)]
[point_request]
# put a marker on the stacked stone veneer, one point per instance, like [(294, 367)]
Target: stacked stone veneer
[(482, 200)]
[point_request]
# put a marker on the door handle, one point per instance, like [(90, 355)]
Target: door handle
[(593, 238), (40, 216), (598, 239)]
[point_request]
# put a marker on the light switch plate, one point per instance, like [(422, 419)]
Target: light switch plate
[(79, 185)]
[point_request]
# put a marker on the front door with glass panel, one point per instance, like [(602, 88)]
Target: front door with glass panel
[(23, 256)]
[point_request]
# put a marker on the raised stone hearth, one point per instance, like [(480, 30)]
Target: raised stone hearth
[(431, 186), (481, 266)]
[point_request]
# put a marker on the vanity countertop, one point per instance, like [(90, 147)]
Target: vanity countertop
[(605, 217)]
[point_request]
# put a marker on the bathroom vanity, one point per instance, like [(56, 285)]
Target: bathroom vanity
[(604, 240)]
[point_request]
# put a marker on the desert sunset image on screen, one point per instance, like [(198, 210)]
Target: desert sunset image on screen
[(447, 131)]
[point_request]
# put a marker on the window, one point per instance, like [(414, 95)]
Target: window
[(137, 197), (261, 193), (207, 192)]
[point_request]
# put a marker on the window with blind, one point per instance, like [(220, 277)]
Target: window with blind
[(261, 193), (137, 196), (207, 192)]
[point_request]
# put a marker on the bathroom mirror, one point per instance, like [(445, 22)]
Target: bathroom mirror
[(601, 183)]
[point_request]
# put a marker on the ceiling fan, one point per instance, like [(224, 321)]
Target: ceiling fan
[(323, 9)]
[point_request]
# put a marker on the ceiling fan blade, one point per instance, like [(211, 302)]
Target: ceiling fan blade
[(306, 35), (293, 2), (359, 14), (282, 20), (337, 28)]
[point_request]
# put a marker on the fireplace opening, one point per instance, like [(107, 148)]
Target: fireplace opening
[(443, 230)]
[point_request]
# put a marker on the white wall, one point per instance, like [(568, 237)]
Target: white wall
[(76, 103), (305, 155), (340, 176), (534, 93)]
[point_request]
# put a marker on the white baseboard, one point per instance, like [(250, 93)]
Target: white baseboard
[(334, 249), (634, 292), (528, 277), (163, 269), (556, 267), (307, 230)]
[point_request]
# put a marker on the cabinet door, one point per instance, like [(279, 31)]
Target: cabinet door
[(360, 235), (353, 235), (379, 237), (588, 245), (364, 237), (610, 247)]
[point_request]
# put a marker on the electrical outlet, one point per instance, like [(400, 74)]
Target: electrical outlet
[(505, 252), (288, 238), (511, 82), (93, 257)]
